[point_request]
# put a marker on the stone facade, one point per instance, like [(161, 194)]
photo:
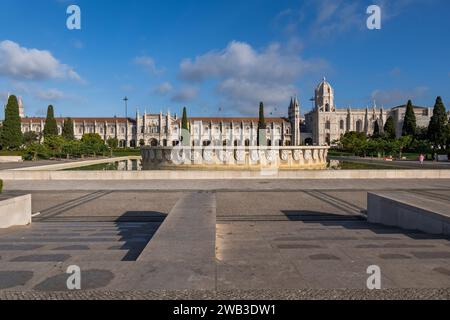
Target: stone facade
[(326, 123), (165, 129), (321, 126)]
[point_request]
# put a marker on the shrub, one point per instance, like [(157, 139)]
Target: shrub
[(36, 151)]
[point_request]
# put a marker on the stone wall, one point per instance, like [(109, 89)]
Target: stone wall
[(249, 158)]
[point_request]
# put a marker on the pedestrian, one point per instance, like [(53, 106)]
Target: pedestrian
[(421, 158)]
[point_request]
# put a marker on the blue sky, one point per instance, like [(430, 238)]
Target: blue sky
[(220, 57)]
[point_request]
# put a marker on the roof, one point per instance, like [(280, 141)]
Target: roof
[(235, 119), (90, 120), (404, 106)]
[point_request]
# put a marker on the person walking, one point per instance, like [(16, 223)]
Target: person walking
[(421, 158)]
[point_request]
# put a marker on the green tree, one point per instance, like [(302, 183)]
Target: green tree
[(185, 135), (54, 144), (403, 143), (389, 128), (67, 131), (438, 130), (11, 136), (50, 128), (112, 143), (409, 122), (30, 137), (261, 126), (376, 129), (36, 151), (92, 143), (184, 120)]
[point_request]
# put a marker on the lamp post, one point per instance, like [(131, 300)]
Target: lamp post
[(126, 121)]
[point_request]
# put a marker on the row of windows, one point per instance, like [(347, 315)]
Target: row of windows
[(237, 130), (359, 125)]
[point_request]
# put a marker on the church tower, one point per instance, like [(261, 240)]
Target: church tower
[(324, 97), (294, 119)]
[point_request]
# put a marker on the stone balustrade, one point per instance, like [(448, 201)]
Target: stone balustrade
[(213, 157)]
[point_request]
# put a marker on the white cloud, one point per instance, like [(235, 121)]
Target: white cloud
[(398, 96), (331, 18), (185, 94), (163, 89), (50, 94), (246, 76), (17, 62), (147, 63), (32, 90)]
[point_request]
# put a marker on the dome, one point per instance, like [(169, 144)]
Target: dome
[(324, 88)]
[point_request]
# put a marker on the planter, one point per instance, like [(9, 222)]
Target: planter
[(15, 211)]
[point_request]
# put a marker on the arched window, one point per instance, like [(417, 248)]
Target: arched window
[(269, 142), (247, 142), (153, 142), (327, 107), (328, 125), (328, 139), (359, 126), (341, 124)]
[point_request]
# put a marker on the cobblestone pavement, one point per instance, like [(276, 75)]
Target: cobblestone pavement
[(305, 294)]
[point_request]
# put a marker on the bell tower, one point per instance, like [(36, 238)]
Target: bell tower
[(324, 97), (294, 119)]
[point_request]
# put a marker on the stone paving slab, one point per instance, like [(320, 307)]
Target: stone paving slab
[(158, 185), (181, 255), (255, 294)]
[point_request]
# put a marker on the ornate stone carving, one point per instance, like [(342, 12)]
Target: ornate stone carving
[(308, 155), (297, 155), (284, 155), (240, 155), (254, 155), (270, 155)]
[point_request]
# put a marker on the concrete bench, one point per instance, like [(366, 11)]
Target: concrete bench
[(409, 211), (15, 211), (10, 159)]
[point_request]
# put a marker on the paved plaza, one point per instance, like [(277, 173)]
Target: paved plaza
[(232, 238)]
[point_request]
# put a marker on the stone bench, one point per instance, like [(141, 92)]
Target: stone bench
[(15, 211), (409, 211), (6, 159)]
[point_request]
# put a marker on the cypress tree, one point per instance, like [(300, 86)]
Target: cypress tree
[(50, 128), (67, 131), (409, 123), (389, 128), (261, 124), (376, 129), (438, 127), (184, 120), (12, 137)]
